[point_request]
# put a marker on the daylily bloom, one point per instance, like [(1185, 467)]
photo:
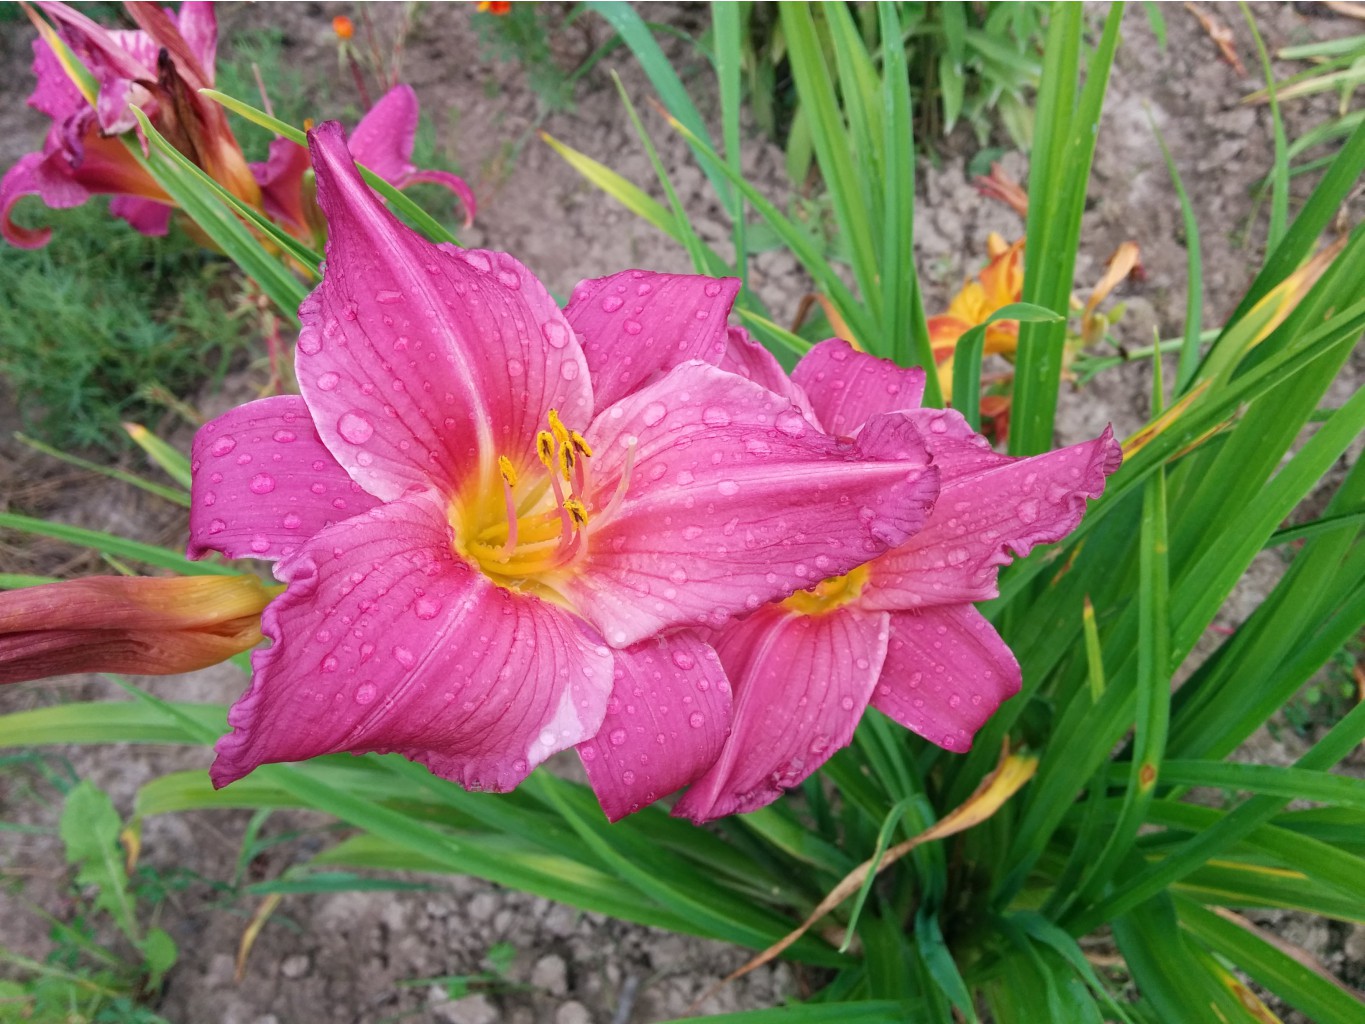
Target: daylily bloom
[(149, 626), (382, 141), (999, 284), (497, 520), (900, 632), (160, 67)]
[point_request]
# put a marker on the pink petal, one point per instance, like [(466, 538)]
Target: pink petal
[(382, 141), (55, 94), (801, 685), (752, 361), (385, 641), (947, 670), (198, 24), (453, 182), (733, 500), (636, 325), (264, 482), (423, 364), (281, 182), (145, 215), (848, 387), (668, 715), (19, 181), (992, 508)]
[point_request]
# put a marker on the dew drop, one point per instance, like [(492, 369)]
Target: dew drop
[(388, 296), (712, 289), (310, 342), (328, 381), (555, 333), (696, 720), (791, 423), (292, 521), (285, 436), (727, 487), (355, 428), (1027, 511), (515, 367), (426, 608), (404, 657), (617, 737), (632, 327), (262, 483), (654, 412), (217, 526), (364, 693), (612, 303), (259, 544), (715, 416), (329, 663), (223, 445)]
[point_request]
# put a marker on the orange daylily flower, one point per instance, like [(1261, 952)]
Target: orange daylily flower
[(343, 26), (998, 285)]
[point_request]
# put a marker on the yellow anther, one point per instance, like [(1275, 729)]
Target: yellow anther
[(580, 442), (566, 461), (578, 510), (561, 432), (509, 472), (545, 449)]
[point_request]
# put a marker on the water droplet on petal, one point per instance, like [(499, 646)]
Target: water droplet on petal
[(632, 327), (612, 303), (365, 692), (555, 333), (654, 412), (404, 657), (715, 416), (1027, 511), (328, 381), (712, 289), (329, 663), (388, 296), (617, 737), (355, 428), (696, 720), (426, 608), (285, 436), (292, 521), (515, 367), (310, 341), (727, 487), (217, 526), (262, 483), (791, 423), (223, 445)]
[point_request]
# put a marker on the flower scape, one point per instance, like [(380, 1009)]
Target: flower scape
[(506, 530)]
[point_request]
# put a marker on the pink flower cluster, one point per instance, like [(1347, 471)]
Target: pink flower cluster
[(508, 529)]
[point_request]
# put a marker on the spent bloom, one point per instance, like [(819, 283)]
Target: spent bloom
[(899, 633), (159, 67), (501, 524), (144, 625)]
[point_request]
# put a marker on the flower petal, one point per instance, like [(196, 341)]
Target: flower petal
[(385, 641), (382, 140), (946, 672), (847, 387), (145, 215), (992, 508), (752, 361), (733, 500), (801, 685), (264, 482), (637, 324), (280, 179), (19, 181), (423, 364), (668, 715)]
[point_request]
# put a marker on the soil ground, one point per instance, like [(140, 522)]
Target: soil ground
[(359, 956)]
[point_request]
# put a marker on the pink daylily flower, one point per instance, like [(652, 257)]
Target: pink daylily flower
[(500, 524), (159, 67), (382, 141), (900, 632)]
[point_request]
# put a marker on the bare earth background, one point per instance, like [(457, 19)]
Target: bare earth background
[(349, 957)]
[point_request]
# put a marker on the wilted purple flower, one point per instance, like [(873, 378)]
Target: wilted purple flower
[(900, 632), (159, 67), (496, 520)]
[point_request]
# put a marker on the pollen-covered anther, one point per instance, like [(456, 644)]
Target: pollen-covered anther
[(581, 443), (509, 471), (577, 510), (545, 449)]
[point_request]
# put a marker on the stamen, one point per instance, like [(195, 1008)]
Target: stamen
[(566, 461), (578, 510), (509, 480), (620, 495), (560, 431), (566, 530), (545, 449), (580, 443)]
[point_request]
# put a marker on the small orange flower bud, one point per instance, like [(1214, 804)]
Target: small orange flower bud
[(499, 7), (148, 626), (343, 26)]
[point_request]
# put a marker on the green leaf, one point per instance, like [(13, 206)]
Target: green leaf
[(159, 955), (90, 827), (968, 353), (136, 551)]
